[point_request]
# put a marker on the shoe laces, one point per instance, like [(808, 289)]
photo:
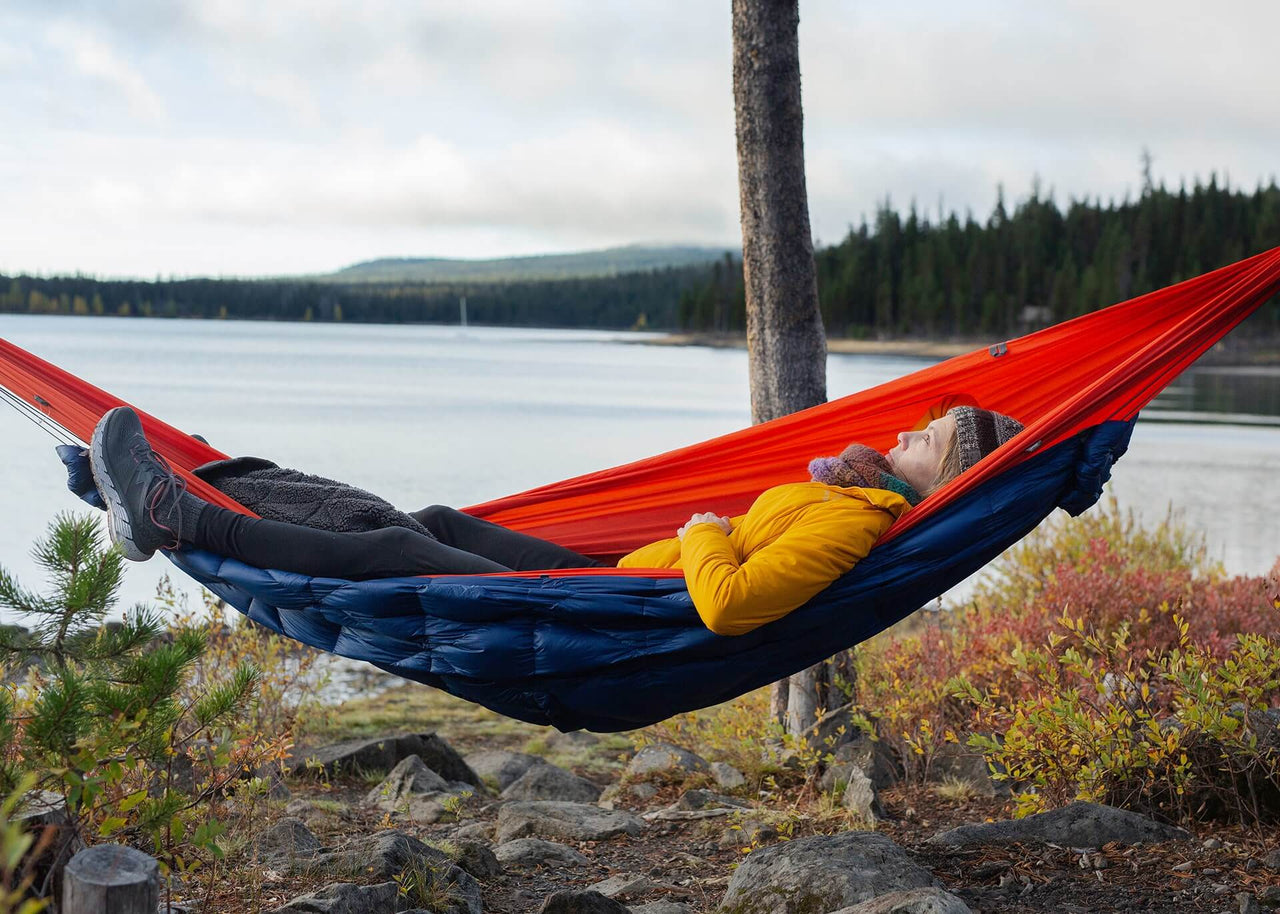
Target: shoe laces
[(165, 495)]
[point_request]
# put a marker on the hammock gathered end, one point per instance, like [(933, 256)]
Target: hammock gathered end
[(615, 649)]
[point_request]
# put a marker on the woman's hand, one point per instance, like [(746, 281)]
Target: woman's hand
[(707, 517)]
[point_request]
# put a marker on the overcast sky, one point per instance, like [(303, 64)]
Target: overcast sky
[(237, 137)]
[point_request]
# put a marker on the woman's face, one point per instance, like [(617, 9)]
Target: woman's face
[(917, 456)]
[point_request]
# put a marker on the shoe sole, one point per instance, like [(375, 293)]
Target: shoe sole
[(118, 527)]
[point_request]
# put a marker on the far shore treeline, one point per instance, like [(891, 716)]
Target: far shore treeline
[(903, 275)]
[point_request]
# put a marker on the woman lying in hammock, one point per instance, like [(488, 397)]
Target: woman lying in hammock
[(741, 572)]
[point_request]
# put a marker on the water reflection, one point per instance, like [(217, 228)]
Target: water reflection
[(1243, 394)]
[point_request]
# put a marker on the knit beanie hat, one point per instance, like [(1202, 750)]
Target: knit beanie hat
[(979, 432)]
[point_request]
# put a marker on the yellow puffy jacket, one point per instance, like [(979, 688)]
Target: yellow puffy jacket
[(794, 541)]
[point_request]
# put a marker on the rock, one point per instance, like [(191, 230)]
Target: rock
[(554, 819), (1247, 903), (640, 793), (574, 739), (748, 832), (860, 798), (287, 840), (913, 901), (581, 903), (477, 859), (502, 766), (476, 831), (622, 885), (664, 758), (872, 757), (1074, 825), (833, 729), (384, 753), (821, 873), (727, 777), (549, 782), (417, 791), (380, 855), (706, 799), (410, 775), (536, 852), (345, 898), (1272, 860), (960, 763), (662, 907)]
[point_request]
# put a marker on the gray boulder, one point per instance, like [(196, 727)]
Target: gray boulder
[(574, 739), (383, 754), (914, 901), (386, 853), (502, 766), (664, 759), (622, 885), (870, 756), (727, 777), (287, 840), (345, 898), (1075, 825), (707, 799), (662, 907), (536, 852), (960, 763), (416, 790), (474, 831), (410, 775), (573, 821), (549, 782), (860, 797), (478, 859), (581, 903), (833, 729), (821, 873)]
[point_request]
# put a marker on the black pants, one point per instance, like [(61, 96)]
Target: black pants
[(464, 545)]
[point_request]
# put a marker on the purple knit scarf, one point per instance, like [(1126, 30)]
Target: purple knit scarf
[(859, 465)]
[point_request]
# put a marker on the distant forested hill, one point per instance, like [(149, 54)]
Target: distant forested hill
[(587, 264), (908, 275), (902, 275), (632, 300)]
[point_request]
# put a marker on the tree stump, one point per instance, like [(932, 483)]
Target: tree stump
[(111, 879)]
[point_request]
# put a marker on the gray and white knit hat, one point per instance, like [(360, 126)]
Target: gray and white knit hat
[(980, 431)]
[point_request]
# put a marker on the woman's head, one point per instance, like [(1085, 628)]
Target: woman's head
[(949, 445)]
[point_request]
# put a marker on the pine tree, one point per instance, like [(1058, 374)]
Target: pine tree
[(107, 727)]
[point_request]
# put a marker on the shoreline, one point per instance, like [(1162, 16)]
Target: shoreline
[(1235, 354)]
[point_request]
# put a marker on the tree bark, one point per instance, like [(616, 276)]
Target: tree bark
[(786, 346)]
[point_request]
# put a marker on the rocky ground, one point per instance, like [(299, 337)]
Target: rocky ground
[(491, 819)]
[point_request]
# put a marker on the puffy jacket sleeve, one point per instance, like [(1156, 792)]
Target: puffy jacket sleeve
[(733, 597)]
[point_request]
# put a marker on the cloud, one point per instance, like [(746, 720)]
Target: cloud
[(278, 132), (93, 57)]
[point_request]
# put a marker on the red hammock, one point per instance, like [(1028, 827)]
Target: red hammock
[(1059, 381)]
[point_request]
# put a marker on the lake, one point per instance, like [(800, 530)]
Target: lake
[(423, 415)]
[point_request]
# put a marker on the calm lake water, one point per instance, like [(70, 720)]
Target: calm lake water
[(457, 416)]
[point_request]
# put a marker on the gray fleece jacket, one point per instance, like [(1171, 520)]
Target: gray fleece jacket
[(277, 493)]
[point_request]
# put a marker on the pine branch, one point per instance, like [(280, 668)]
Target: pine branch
[(229, 699)]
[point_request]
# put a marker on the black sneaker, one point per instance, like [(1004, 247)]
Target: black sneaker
[(141, 491)]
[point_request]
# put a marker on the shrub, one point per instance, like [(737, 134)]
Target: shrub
[(108, 716), (1103, 568), (1183, 734)]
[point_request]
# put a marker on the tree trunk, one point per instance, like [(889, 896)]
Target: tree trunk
[(786, 347)]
